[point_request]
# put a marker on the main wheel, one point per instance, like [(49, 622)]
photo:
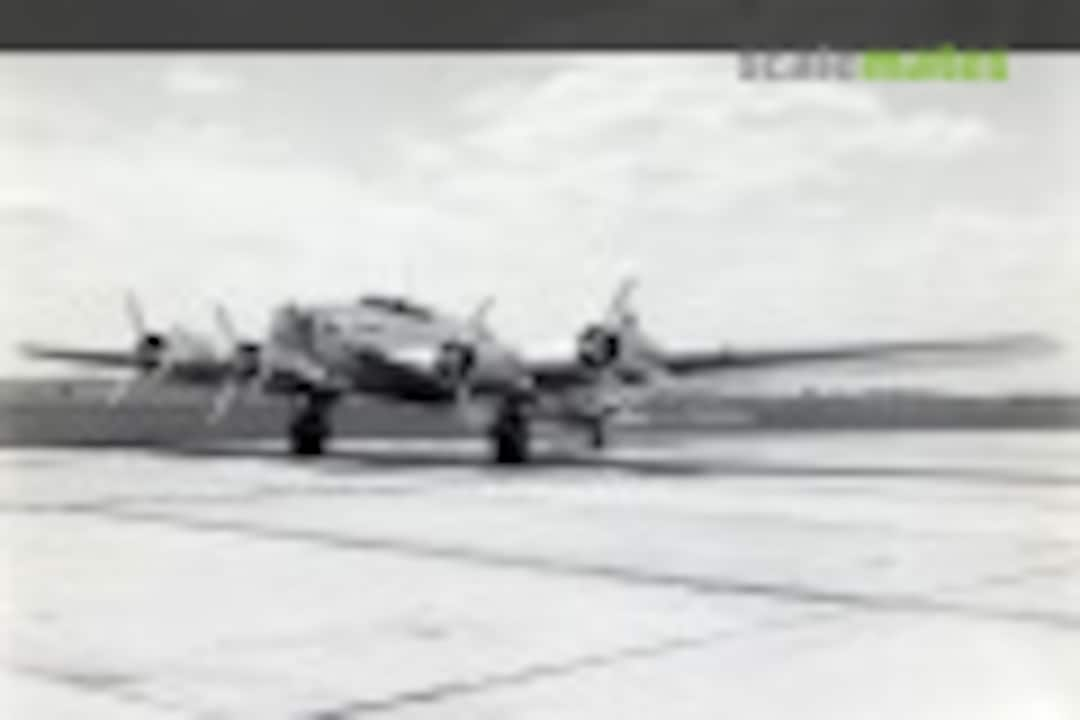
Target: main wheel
[(306, 443), (510, 436), (597, 435), (510, 448), (309, 429)]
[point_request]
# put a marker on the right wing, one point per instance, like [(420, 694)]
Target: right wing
[(372, 371), (89, 358), (191, 371)]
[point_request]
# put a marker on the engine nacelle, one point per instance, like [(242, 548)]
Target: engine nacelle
[(149, 351), (598, 347), (455, 362), (246, 361)]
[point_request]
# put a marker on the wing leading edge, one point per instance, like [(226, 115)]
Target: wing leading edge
[(930, 351), (189, 371), (560, 375), (94, 358)]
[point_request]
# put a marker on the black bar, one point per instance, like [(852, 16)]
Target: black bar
[(535, 24)]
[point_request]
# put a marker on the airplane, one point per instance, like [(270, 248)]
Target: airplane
[(393, 347)]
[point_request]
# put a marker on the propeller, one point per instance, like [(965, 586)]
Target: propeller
[(615, 351), (246, 367), (153, 356), (457, 357), (601, 343)]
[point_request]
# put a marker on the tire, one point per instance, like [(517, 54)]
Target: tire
[(510, 449), (307, 444), (308, 433), (510, 437), (597, 435)]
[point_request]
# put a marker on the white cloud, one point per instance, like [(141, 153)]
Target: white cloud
[(192, 77), (674, 134)]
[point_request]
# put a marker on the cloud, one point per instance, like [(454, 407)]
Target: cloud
[(672, 134), (195, 78), (665, 162)]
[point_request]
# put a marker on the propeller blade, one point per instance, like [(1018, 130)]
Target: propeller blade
[(620, 302), (269, 360), (478, 319), (164, 367), (121, 390), (468, 409), (467, 337), (462, 395), (223, 402), (124, 388), (135, 313), (225, 324)]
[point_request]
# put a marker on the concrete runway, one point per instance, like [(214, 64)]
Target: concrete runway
[(888, 575)]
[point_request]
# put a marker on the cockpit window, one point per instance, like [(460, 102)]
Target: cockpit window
[(397, 305)]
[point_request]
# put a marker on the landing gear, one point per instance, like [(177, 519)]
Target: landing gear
[(309, 428), (598, 435), (509, 433)]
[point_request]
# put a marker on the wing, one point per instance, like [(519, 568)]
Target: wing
[(190, 371), (561, 375), (927, 351), (89, 358), (370, 371)]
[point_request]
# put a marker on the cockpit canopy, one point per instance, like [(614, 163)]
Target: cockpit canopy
[(397, 306)]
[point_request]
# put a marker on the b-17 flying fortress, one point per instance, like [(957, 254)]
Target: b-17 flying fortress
[(399, 349)]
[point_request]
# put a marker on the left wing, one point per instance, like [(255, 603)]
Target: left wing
[(692, 363), (562, 375)]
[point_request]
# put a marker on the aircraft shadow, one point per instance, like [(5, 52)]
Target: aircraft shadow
[(673, 464), (433, 458)]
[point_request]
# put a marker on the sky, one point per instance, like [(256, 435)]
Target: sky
[(753, 214)]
